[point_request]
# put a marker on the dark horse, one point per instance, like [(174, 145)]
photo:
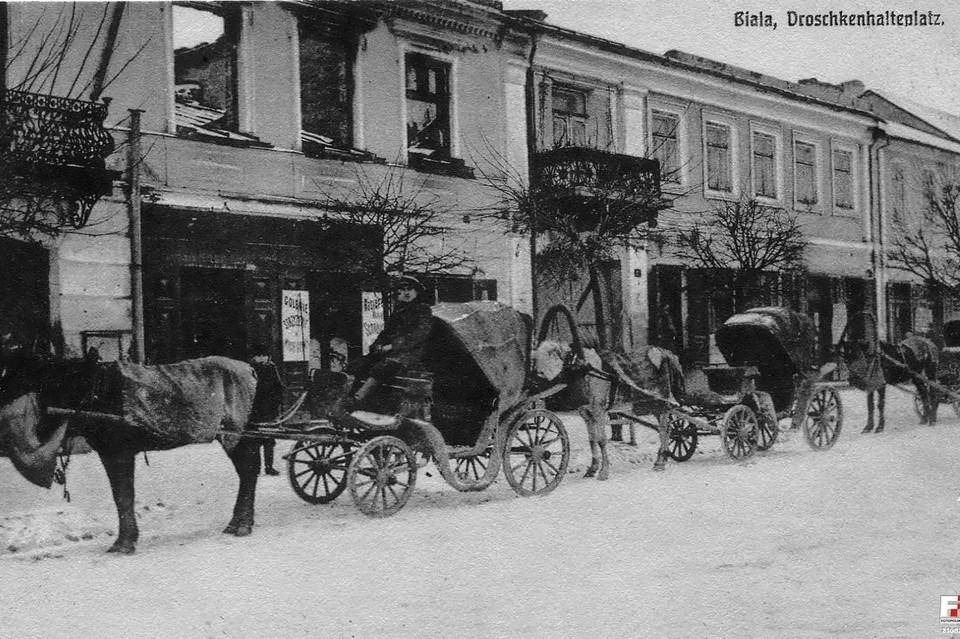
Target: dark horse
[(873, 365), (129, 409)]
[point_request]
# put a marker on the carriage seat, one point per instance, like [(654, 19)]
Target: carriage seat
[(699, 392), (375, 421)]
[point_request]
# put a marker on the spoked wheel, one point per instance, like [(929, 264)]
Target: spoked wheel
[(768, 427), (472, 469), (318, 470), (536, 454), (559, 325), (739, 432), (824, 419), (683, 438), (382, 476)]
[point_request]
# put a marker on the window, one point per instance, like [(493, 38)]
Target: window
[(898, 192), (665, 138), (719, 157), (764, 152), (206, 44), (569, 117), (843, 194), (805, 173), (927, 183), (428, 106), (326, 84)]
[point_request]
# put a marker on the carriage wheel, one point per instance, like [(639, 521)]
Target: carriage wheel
[(382, 476), (472, 469), (683, 438), (739, 432), (318, 470), (552, 327), (824, 419), (536, 454), (768, 426)]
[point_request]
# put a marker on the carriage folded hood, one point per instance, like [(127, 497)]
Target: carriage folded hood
[(36, 460), (492, 338)]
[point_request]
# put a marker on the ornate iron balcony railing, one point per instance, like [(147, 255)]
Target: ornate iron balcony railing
[(579, 171), (53, 150), (50, 130)]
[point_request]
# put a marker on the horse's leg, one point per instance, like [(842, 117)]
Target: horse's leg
[(246, 460), (664, 431), (120, 471), (869, 427), (930, 401), (590, 419), (881, 404)]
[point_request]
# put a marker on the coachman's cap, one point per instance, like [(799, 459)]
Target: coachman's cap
[(410, 281)]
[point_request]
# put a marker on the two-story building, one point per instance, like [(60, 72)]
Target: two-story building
[(236, 126)]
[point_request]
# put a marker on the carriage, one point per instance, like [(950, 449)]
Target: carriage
[(770, 374), (467, 410), (872, 363)]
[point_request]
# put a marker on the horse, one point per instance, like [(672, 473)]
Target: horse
[(126, 409), (597, 382), (914, 359)]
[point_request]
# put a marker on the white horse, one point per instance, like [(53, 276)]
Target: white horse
[(601, 381)]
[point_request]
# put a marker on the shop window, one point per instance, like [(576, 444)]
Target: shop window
[(428, 106), (843, 193), (206, 43), (665, 138), (719, 157), (569, 117), (805, 173)]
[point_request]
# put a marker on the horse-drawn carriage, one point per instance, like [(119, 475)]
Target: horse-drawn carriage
[(770, 374), (468, 411)]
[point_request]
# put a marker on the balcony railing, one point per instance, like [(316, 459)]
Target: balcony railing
[(57, 147), (45, 129), (585, 172)]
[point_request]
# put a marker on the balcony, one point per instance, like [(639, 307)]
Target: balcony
[(573, 177), (55, 147)]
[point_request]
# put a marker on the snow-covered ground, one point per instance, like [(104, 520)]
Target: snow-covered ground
[(859, 541)]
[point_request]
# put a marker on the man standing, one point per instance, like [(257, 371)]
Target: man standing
[(268, 401)]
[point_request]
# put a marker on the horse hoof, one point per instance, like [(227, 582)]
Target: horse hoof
[(122, 548), (879, 430), (868, 429), (590, 473), (231, 529), (243, 531), (659, 467), (603, 476)]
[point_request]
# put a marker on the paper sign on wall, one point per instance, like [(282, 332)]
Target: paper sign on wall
[(372, 318), (295, 325)]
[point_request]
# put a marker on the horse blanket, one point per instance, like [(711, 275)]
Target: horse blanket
[(170, 405)]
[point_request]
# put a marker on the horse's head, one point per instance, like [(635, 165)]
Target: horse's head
[(548, 360)]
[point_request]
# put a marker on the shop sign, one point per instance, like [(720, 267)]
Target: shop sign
[(295, 325), (372, 318)]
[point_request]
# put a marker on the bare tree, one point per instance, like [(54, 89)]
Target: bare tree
[(585, 207), (739, 242), (413, 222), (47, 140), (926, 242)]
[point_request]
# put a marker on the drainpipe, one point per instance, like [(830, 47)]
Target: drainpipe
[(531, 96), (876, 229), (136, 240)]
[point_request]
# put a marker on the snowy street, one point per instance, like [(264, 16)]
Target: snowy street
[(858, 541)]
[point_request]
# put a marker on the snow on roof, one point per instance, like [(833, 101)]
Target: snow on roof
[(946, 122), (904, 132)]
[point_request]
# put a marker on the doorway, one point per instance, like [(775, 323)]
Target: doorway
[(212, 307)]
